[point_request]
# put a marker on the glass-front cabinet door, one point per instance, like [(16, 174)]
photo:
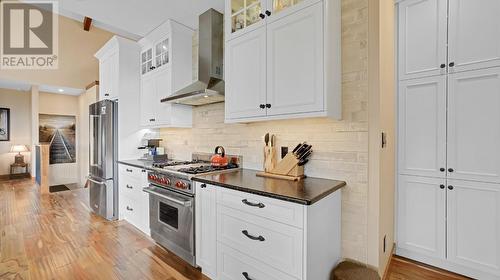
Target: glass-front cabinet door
[(244, 15), (280, 5), (147, 61), (162, 53)]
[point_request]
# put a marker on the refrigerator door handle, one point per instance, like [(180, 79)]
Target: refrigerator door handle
[(94, 181)]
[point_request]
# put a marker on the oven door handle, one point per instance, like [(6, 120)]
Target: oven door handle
[(174, 200)]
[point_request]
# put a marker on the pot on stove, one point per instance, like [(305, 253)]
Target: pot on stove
[(219, 159)]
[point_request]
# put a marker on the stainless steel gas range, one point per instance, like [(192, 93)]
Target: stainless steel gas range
[(172, 200)]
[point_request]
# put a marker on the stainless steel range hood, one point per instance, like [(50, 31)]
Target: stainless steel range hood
[(209, 88)]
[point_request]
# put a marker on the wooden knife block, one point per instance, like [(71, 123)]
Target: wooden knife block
[(287, 169)]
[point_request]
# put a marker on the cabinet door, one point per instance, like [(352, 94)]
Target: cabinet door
[(474, 34), (163, 89), (162, 51), (422, 127), (422, 38), (474, 125), (206, 229), (114, 78), (281, 8), (103, 79), (146, 61), (148, 97), (474, 225), (246, 75), (243, 16), (295, 63), (421, 217)]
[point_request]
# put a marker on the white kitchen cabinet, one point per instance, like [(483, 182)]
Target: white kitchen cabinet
[(300, 46), (474, 125), (206, 229), (295, 71), (118, 66), (422, 127), (133, 202), (166, 67), (238, 234), (422, 38), (421, 219), (246, 75), (474, 34), (474, 225)]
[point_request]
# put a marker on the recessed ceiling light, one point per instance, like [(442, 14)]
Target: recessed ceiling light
[(60, 90)]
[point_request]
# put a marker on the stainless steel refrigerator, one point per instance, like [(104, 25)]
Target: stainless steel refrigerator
[(103, 168)]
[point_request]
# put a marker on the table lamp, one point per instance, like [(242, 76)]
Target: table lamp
[(19, 159)]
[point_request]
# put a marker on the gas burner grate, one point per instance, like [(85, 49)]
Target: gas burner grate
[(176, 163), (206, 169)]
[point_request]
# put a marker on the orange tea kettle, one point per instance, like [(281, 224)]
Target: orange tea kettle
[(219, 159)]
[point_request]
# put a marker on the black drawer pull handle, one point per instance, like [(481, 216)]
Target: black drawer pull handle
[(256, 238), (129, 209), (245, 274), (128, 170), (129, 187), (260, 205)]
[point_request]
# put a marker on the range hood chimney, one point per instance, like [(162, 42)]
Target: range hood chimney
[(209, 88)]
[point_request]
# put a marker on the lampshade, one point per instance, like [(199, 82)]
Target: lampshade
[(18, 148)]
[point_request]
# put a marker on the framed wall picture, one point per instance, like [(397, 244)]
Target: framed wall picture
[(4, 124)]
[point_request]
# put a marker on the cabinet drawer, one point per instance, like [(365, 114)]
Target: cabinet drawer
[(278, 210), (232, 264), (130, 171), (132, 188), (136, 212), (278, 245)]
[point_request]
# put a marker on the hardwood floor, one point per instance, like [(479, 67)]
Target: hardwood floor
[(403, 269), (55, 236)]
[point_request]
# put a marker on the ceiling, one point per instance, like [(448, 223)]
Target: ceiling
[(26, 86), (136, 18)]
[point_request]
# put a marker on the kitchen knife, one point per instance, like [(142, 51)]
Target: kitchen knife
[(305, 155), (303, 162), (301, 149), (305, 150), (266, 139), (296, 148), (273, 140)]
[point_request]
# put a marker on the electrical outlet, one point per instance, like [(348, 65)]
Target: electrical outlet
[(384, 242), (284, 151)]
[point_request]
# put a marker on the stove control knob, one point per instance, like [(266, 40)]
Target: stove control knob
[(167, 181), (181, 185)]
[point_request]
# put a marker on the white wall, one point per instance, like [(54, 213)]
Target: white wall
[(19, 103), (59, 104)]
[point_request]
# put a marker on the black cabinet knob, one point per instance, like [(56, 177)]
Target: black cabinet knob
[(443, 65), (247, 277), (152, 120), (106, 94), (441, 187), (262, 106), (203, 186), (268, 13), (130, 209), (268, 105), (450, 170), (451, 64), (450, 188), (442, 169), (262, 16)]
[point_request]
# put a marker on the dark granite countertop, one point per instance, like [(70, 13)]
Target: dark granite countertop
[(307, 191), (144, 164)]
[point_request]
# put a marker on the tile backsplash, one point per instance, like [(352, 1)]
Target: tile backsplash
[(340, 147)]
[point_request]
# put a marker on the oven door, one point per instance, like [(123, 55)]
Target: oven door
[(172, 221)]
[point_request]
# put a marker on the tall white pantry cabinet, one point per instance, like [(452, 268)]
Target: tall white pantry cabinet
[(448, 193)]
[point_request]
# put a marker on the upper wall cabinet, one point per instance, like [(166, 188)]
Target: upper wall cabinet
[(474, 34), (118, 64), (422, 38), (438, 37), (166, 66), (287, 65)]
